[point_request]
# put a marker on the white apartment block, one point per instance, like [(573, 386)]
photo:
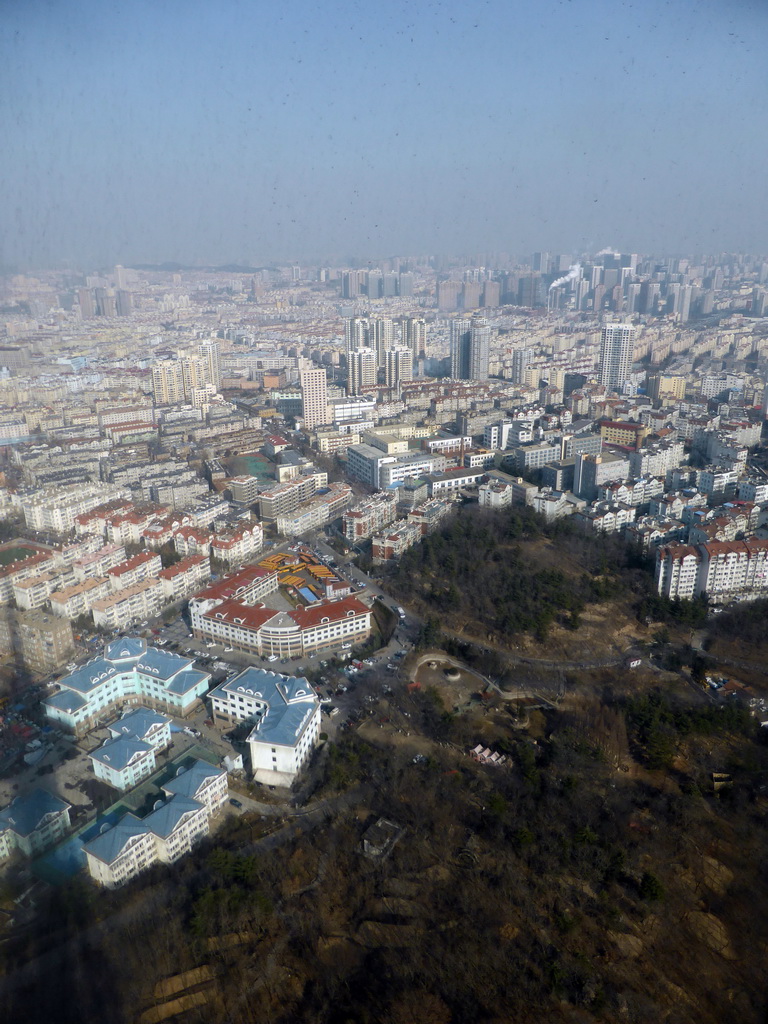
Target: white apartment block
[(323, 508), (717, 480), (606, 517), (656, 460), (53, 510), (126, 527), (145, 565), (725, 571), (32, 823), (99, 562), (286, 716), (369, 516), (168, 833), (24, 569), (239, 544), (283, 498), (123, 762), (124, 607), (328, 442), (185, 577), (35, 591), (79, 599)]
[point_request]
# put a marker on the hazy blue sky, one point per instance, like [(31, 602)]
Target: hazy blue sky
[(152, 130)]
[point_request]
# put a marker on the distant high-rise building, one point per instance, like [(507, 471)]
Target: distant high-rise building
[(399, 366), (470, 348), (460, 342), (124, 302), (168, 382), (616, 355), (415, 335), (375, 284), (479, 348), (357, 333), (210, 351), (470, 294), (122, 277), (194, 370), (87, 305), (491, 293), (382, 337), (389, 286), (314, 397), (106, 304), (405, 285), (448, 293), (351, 284), (540, 263), (361, 368), (684, 308), (521, 358)]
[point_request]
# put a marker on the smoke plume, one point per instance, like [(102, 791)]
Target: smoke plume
[(574, 273)]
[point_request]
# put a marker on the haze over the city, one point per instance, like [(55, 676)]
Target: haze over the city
[(251, 132)]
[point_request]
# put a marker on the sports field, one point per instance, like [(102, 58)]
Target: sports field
[(15, 553)]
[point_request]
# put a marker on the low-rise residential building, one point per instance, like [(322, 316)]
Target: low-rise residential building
[(126, 527), (128, 672), (123, 762), (79, 599), (191, 540), (391, 543), (321, 509), (24, 569), (143, 566), (648, 532), (129, 847), (32, 823), (35, 591), (238, 544), (123, 608), (185, 577), (53, 509), (605, 517), (99, 562), (143, 724), (370, 516)]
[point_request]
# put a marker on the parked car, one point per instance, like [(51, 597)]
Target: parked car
[(235, 803)]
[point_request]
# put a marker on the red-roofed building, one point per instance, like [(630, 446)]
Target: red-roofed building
[(127, 527), (275, 444), (295, 633), (95, 521), (238, 544), (185, 577), (191, 540), (144, 566)]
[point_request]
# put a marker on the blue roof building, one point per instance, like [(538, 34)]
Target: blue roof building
[(126, 672), (33, 822), (168, 832)]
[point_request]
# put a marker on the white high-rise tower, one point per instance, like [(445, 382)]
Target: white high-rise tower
[(616, 355)]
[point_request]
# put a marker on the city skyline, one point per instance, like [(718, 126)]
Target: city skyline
[(179, 133)]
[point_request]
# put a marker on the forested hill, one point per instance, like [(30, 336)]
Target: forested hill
[(493, 574)]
